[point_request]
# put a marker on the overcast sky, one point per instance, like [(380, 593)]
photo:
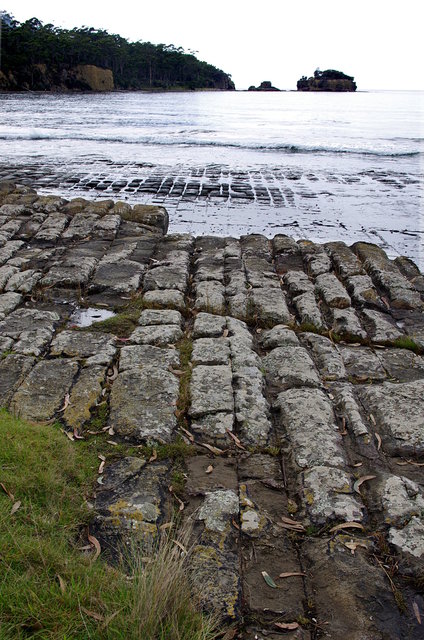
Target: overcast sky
[(380, 42)]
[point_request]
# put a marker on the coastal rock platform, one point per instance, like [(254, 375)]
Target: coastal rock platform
[(269, 391)]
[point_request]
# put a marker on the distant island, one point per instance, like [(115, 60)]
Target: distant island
[(329, 80), (42, 57), (264, 86)]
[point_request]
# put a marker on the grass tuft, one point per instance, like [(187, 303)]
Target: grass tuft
[(48, 588)]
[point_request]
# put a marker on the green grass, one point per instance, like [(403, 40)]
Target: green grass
[(51, 477)]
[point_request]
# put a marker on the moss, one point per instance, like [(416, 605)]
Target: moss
[(407, 343)]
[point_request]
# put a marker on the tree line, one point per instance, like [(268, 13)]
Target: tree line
[(27, 45)]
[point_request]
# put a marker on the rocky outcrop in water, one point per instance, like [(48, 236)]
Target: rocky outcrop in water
[(266, 85), (329, 80), (283, 382)]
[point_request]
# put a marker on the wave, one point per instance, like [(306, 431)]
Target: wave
[(190, 142)]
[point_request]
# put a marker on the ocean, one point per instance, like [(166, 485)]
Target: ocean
[(322, 166)]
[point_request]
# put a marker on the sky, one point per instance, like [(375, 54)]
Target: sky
[(379, 42)]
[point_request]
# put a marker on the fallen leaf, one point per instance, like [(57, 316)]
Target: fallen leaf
[(212, 449), (100, 480), (181, 503), (15, 507), (115, 444), (177, 372), (188, 434), (11, 496), (234, 523), (358, 464), (180, 545), (290, 574), (378, 438), (101, 467), (236, 440), (101, 457), (113, 374), (270, 582), (166, 525), (209, 469), (93, 614), (287, 523), (154, 456), (225, 333), (289, 626), (66, 403), (62, 584), (354, 545), (372, 419), (69, 435), (111, 431), (96, 544), (347, 525), (77, 435), (360, 481), (416, 611)]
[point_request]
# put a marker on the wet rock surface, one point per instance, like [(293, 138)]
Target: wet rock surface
[(281, 382)]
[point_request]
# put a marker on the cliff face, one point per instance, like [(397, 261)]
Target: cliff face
[(329, 80), (39, 77)]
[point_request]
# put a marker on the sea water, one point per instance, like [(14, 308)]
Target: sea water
[(334, 165)]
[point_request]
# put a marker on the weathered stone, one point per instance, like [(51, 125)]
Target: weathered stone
[(210, 297), (326, 356), (169, 298), (332, 291), (160, 335), (211, 351), (106, 227), (298, 282), (239, 306), (308, 310), (380, 326), (401, 499), (251, 407), (95, 348), (399, 412), (345, 261), (410, 539), (349, 409), (121, 277), (52, 227), (212, 428), (329, 565), (22, 320), (307, 417), (9, 250), (80, 226), (317, 264), (211, 390), (71, 272), (402, 364), (346, 323), (363, 291), (155, 317), (13, 369), (6, 271), (362, 364), (6, 344), (8, 303), (23, 281), (149, 215), (84, 395), (270, 305), (142, 404), (328, 496), (278, 336), (290, 366), (42, 393), (168, 277), (133, 500), (144, 356)]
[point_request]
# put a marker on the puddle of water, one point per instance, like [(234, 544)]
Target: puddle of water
[(87, 317)]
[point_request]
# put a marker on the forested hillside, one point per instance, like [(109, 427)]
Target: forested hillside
[(37, 56)]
